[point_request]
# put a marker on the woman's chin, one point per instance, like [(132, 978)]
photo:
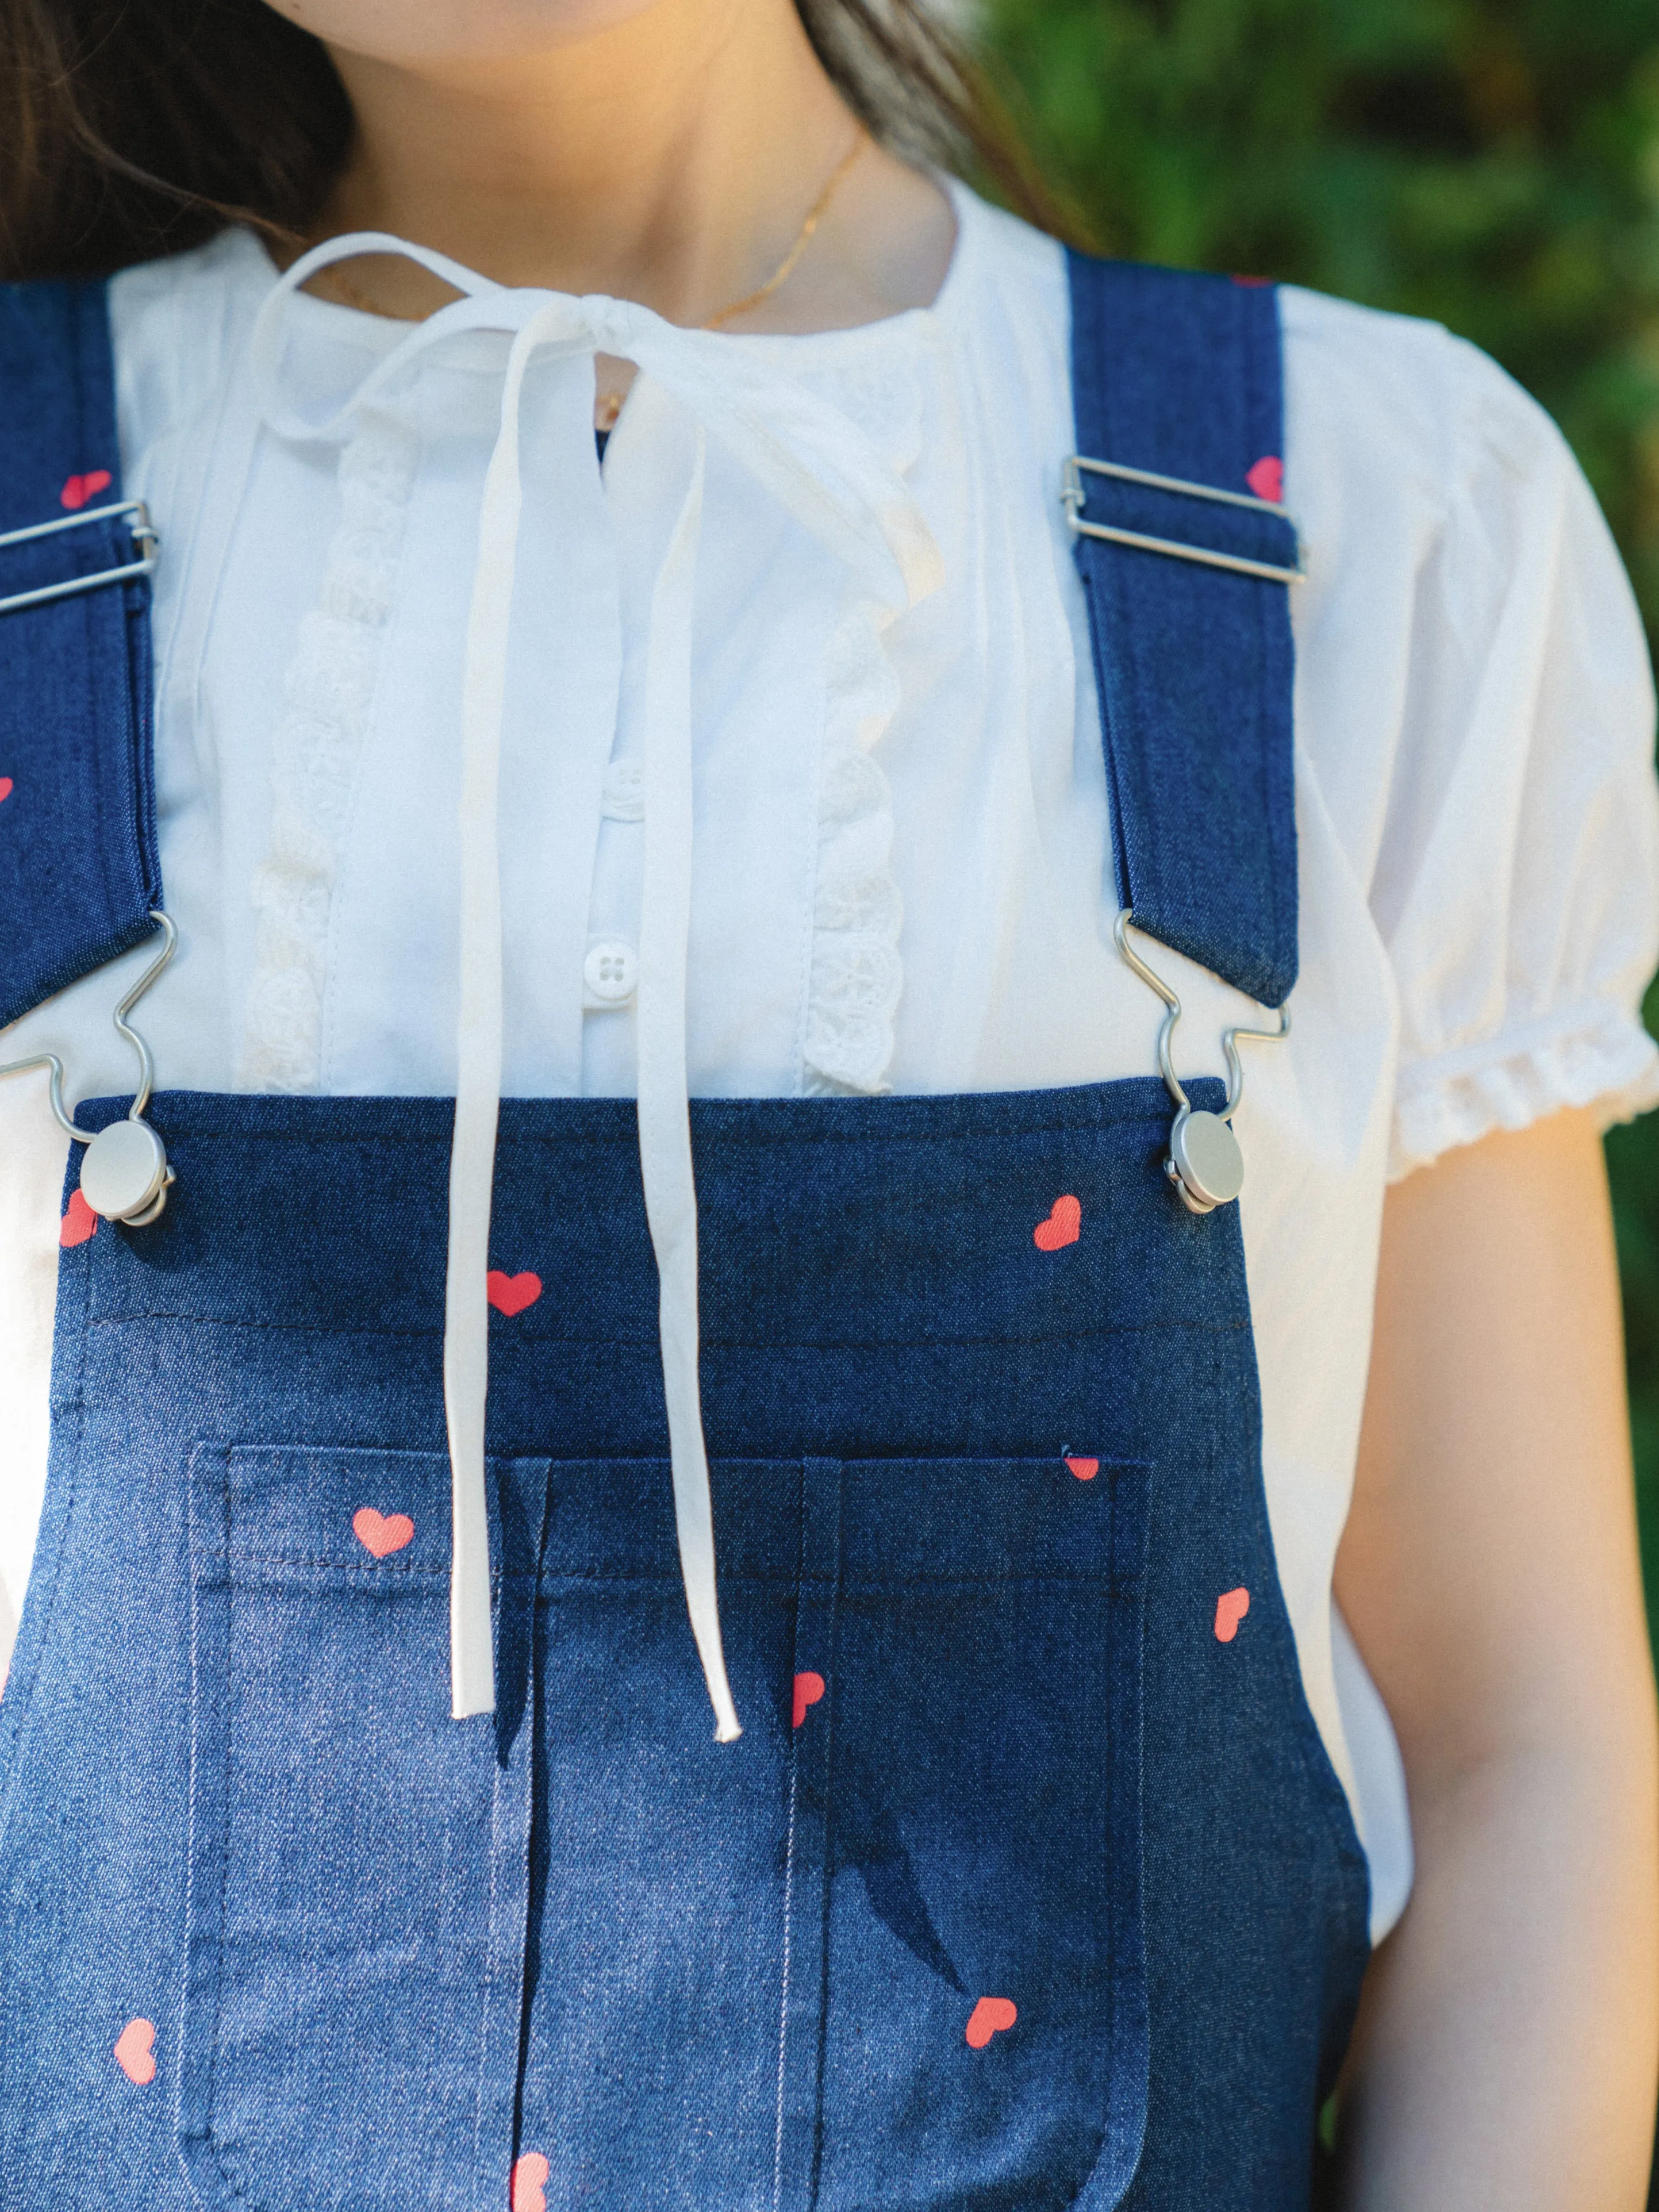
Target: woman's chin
[(416, 33)]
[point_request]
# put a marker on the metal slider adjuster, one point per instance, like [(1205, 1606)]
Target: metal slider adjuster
[(125, 1176), (1205, 1165), (144, 540), (1074, 494)]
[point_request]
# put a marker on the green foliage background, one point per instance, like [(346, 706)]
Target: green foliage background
[(1491, 163)]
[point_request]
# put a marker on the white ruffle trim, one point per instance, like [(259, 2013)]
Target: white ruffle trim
[(856, 976), (1593, 1056), (327, 694)]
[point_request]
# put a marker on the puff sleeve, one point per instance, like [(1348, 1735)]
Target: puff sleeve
[(1516, 883)]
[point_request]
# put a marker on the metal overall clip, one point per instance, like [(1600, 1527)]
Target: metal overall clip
[(125, 1176), (1205, 1165), (145, 544), (1073, 496)]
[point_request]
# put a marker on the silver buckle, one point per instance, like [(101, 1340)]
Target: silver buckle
[(1205, 1167), (125, 1176), (143, 538), (1074, 494)]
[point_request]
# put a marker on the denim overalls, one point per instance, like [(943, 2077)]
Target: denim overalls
[(1029, 1884)]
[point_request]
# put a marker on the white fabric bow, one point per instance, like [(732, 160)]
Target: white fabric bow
[(828, 476)]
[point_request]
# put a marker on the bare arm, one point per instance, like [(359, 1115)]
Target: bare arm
[(1506, 2055)]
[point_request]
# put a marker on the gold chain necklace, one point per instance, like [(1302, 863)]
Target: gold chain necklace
[(609, 404), (786, 268)]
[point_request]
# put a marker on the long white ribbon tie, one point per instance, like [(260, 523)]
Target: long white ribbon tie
[(665, 1114), (478, 1051), (828, 476)]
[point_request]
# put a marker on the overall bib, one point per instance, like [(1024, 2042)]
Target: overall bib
[(1029, 1884)]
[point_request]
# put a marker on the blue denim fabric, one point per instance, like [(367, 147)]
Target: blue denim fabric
[(1180, 375), (388, 1956), (78, 868)]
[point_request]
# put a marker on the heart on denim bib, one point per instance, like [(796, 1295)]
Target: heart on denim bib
[(79, 490), (530, 2182), (989, 2017), (1230, 1608), (381, 1532), (134, 2051), (79, 1222), (1063, 1226)]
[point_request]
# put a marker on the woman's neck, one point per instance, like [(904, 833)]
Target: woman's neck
[(669, 158)]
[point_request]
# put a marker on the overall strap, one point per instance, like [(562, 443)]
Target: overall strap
[(1178, 377), (79, 875)]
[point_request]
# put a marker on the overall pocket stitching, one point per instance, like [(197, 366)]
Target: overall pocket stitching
[(828, 1765), (789, 1868), (189, 2061)]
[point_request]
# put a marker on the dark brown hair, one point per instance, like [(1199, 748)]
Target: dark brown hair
[(130, 128)]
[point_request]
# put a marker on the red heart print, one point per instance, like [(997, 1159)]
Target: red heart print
[(1230, 1608), (79, 1222), (1086, 1470), (134, 2051), (530, 2182), (511, 1294), (77, 491), (381, 1533), (1266, 479), (988, 2017), (7, 788), (1063, 1226), (808, 1688), (1253, 283)]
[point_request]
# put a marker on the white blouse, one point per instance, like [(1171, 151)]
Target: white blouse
[(900, 873)]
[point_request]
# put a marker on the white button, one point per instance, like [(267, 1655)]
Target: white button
[(610, 972), (625, 792)]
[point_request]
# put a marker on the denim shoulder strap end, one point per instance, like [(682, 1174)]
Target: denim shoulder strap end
[(1178, 392), (79, 875)]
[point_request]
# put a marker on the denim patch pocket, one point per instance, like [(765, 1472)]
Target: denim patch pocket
[(973, 1767), (358, 1858), (667, 1897)]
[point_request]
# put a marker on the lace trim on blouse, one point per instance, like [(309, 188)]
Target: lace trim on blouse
[(856, 976), (1591, 1054), (328, 692)]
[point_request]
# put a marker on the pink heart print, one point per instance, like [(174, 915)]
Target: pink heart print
[(1230, 1608), (1063, 1226), (808, 1688), (381, 1533), (77, 491), (1266, 479), (79, 1222), (988, 2018), (7, 787), (1086, 1470), (134, 2051), (511, 1294), (530, 2182)]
